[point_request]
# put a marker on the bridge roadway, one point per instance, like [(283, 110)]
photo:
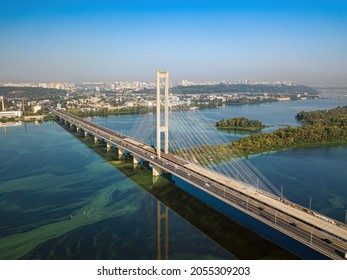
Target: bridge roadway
[(323, 234)]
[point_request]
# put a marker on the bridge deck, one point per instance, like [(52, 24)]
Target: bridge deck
[(277, 204)]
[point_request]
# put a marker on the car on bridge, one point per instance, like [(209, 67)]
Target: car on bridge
[(326, 240)]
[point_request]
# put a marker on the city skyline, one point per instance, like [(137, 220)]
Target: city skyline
[(301, 41)]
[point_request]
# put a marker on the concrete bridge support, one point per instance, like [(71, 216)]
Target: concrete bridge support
[(156, 171), (120, 151), (85, 133), (108, 146), (136, 160), (96, 139)]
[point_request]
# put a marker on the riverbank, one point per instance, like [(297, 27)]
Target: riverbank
[(234, 128), (196, 105), (321, 127), (30, 118)]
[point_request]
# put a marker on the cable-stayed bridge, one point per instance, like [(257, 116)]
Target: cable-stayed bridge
[(238, 184)]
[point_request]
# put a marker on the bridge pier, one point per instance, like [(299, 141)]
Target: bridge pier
[(156, 171), (96, 139), (136, 160), (85, 133), (108, 146), (120, 152)]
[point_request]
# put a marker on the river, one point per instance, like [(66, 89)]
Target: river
[(62, 199)]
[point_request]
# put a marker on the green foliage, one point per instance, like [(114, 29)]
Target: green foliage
[(336, 116), (224, 88), (49, 118), (320, 127), (239, 123), (107, 112), (244, 100), (5, 120), (284, 138), (28, 92)]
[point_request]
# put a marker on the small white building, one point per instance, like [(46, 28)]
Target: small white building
[(129, 103), (36, 108), (145, 103), (10, 114)]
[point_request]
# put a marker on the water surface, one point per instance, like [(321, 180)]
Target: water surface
[(60, 199)]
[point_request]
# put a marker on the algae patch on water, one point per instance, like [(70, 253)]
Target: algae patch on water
[(17, 245)]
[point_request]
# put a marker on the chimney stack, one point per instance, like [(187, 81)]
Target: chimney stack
[(2, 103)]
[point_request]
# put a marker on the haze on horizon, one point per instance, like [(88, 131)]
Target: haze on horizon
[(70, 41)]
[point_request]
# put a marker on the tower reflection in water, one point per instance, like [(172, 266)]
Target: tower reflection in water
[(162, 231)]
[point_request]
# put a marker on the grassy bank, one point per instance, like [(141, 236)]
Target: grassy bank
[(235, 128), (321, 127)]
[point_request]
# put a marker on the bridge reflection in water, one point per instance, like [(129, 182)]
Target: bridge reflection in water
[(162, 231)]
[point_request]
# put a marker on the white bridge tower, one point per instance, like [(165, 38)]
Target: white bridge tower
[(165, 128)]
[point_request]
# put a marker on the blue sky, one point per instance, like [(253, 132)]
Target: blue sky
[(57, 41)]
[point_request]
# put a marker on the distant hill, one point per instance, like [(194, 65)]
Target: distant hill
[(29, 91), (236, 88)]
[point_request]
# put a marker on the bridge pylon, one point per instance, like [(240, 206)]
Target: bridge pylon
[(165, 128)]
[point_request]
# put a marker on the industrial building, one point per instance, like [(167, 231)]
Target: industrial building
[(10, 114)]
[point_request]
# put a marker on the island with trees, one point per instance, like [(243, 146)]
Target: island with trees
[(321, 127), (240, 123)]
